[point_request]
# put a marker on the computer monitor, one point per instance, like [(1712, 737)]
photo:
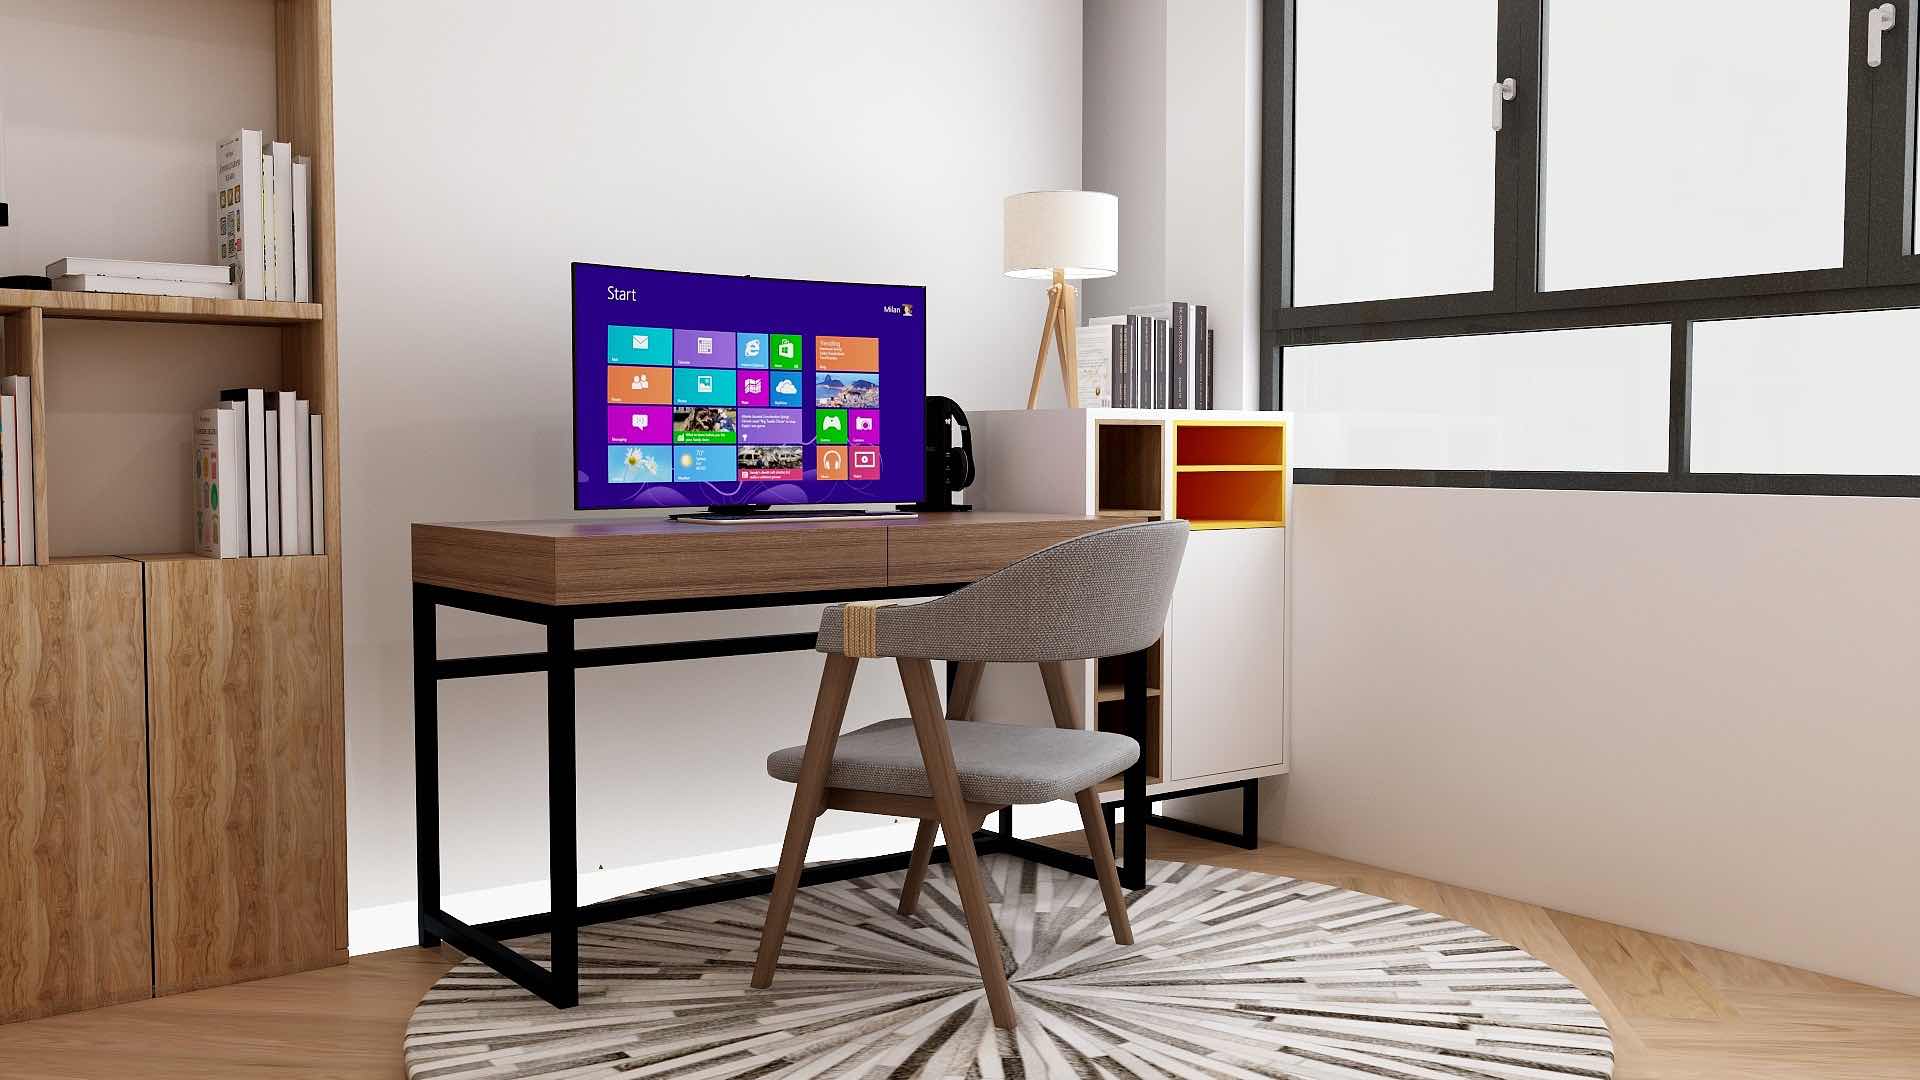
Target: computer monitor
[(705, 390)]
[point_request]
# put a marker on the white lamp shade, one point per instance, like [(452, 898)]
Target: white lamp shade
[(1075, 232)]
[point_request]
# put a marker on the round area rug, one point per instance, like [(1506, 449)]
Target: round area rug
[(1233, 974)]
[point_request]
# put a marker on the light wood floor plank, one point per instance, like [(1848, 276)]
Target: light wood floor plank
[(1678, 1011)]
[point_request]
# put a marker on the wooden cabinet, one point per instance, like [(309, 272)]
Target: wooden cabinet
[(73, 789), (248, 845)]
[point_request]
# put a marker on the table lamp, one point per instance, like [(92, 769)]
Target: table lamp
[(1065, 236)]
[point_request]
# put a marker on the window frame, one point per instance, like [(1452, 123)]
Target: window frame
[(1879, 271)]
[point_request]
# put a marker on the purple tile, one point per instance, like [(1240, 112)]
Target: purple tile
[(703, 348), (770, 426)]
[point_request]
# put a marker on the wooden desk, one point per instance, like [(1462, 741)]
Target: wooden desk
[(555, 573)]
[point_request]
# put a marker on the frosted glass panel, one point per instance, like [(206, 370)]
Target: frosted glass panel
[(1393, 151), (1593, 400), (1692, 138), (1807, 394)]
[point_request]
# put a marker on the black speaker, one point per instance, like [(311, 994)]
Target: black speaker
[(949, 468)]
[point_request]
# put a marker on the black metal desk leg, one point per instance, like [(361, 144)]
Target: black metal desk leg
[(1133, 866), (426, 760), (562, 813)]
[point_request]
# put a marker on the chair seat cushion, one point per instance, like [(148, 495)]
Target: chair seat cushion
[(1000, 764)]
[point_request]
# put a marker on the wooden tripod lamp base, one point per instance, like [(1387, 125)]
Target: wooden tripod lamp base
[(1063, 235), (1059, 329)]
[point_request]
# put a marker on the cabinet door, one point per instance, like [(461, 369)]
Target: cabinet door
[(73, 790), (247, 841), (1226, 654)]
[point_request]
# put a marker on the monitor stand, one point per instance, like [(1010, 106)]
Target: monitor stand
[(762, 513)]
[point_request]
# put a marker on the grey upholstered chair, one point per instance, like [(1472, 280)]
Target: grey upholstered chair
[(1101, 594)]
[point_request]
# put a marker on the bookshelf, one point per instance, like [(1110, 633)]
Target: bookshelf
[(172, 727), (1216, 680)]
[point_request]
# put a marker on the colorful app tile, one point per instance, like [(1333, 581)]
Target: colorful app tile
[(754, 387), (786, 392), (789, 352), (768, 426), (638, 386), (705, 424), (830, 426), (700, 386), (863, 462), (703, 348), (704, 464), (830, 463), (863, 426), (752, 350), (650, 345), (773, 462), (837, 390), (639, 424), (846, 353), (639, 464)]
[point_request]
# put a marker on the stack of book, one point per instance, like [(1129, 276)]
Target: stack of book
[(258, 477), (17, 544), (147, 278), (261, 225), (1157, 357)]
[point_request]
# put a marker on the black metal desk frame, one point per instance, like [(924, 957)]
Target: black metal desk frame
[(559, 984)]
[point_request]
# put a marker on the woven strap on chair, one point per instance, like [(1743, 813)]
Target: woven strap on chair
[(859, 622)]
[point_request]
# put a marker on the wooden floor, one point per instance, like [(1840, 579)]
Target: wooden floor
[(1678, 1011)]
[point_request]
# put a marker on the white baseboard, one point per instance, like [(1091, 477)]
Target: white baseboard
[(393, 926)]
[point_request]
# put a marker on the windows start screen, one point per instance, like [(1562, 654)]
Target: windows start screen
[(716, 406)]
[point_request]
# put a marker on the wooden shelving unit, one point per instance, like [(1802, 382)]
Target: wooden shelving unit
[(1217, 676), (172, 750)]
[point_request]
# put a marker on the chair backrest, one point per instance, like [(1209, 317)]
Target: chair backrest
[(1100, 594)]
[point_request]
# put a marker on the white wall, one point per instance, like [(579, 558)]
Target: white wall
[(481, 147), (1689, 713), (1172, 110)]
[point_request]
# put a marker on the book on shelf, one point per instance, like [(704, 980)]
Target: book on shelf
[(144, 286), (317, 454), (220, 529), (1202, 394), (25, 490), (198, 273), (237, 475), (1159, 377), (1094, 345), (251, 404), (9, 486), (1184, 323), (269, 231), (1209, 376), (303, 472), (282, 154), (239, 224), (284, 410), (302, 229)]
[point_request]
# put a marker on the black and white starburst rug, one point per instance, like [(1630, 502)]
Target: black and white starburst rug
[(1233, 974)]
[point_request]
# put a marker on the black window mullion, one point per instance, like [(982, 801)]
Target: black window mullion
[(1887, 94), (1680, 402), (1516, 218)]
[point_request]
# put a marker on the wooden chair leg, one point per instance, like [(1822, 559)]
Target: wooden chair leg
[(829, 709), (966, 687), (1099, 846), (936, 752), (917, 869)]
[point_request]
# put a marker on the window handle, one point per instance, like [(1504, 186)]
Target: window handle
[(1879, 21), (1504, 91)]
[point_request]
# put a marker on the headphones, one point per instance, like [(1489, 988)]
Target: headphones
[(957, 470)]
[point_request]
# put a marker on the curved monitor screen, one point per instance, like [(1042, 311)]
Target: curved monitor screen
[(704, 390)]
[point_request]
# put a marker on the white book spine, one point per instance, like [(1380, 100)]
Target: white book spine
[(9, 487), (237, 478), (20, 388), (269, 232), (206, 484), (302, 229), (238, 239), (229, 484), (258, 505), (273, 487), (303, 473), (283, 220), (144, 286), (318, 447), (1095, 368), (289, 447)]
